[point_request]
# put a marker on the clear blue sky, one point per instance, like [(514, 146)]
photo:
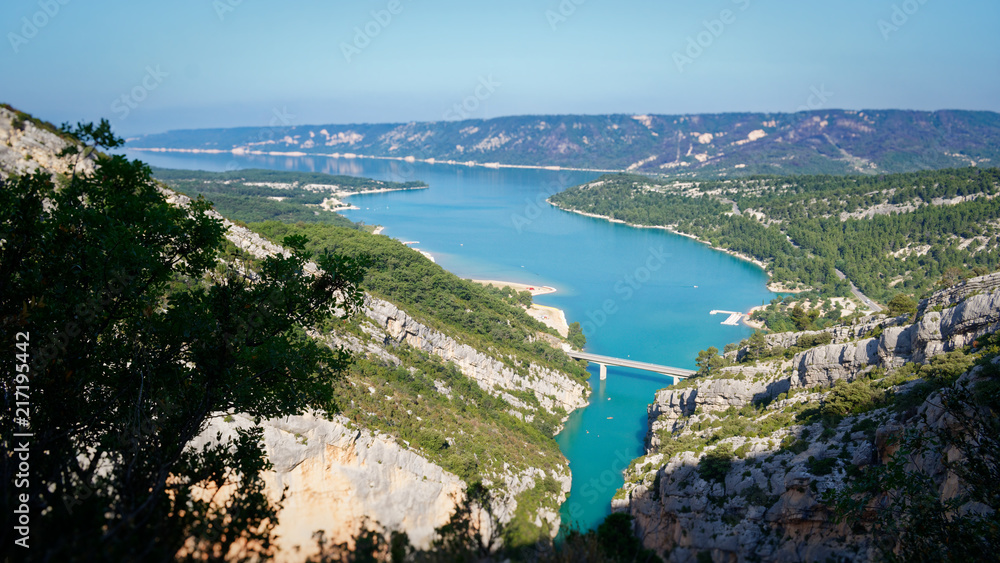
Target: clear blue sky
[(242, 62)]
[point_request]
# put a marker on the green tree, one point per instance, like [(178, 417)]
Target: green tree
[(901, 502), (709, 361), (575, 335), (715, 465), (524, 298), (756, 346), (902, 304), (138, 339)]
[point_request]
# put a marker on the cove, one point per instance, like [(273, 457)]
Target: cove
[(642, 294)]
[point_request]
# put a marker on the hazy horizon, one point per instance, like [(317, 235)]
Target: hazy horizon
[(196, 64), (345, 123)]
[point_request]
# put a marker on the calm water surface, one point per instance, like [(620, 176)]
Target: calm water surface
[(643, 294)]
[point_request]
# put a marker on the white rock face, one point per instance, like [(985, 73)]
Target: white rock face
[(553, 389), (30, 148), (334, 477), (769, 506), (826, 364)]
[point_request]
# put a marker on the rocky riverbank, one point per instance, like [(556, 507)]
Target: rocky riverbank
[(782, 450)]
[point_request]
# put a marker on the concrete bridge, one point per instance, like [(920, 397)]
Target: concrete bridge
[(605, 361)]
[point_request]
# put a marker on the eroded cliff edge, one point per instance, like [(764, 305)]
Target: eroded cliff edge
[(335, 473), (790, 430)]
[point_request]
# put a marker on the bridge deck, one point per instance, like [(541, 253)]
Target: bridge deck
[(621, 362)]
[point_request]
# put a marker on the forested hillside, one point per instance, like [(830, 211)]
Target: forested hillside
[(719, 145), (889, 233), (226, 327), (265, 195)]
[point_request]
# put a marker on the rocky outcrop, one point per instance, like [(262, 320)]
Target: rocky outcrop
[(551, 388), (769, 505), (951, 296), (27, 148), (826, 364), (673, 406), (335, 477)]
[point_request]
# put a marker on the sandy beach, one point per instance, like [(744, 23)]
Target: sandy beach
[(550, 316), (518, 287)]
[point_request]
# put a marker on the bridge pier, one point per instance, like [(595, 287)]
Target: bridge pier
[(605, 361)]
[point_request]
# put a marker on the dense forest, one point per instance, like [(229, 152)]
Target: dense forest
[(272, 195), (483, 317), (897, 233)]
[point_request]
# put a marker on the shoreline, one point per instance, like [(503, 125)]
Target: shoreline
[(670, 229), (550, 316), (432, 160), (519, 287), (336, 201), (772, 286)]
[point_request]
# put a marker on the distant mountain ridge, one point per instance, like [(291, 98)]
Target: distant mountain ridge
[(728, 144)]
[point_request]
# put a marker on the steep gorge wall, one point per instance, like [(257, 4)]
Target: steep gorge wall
[(335, 477), (769, 505), (551, 388)]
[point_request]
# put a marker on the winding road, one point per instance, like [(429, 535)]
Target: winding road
[(857, 293), (875, 307)]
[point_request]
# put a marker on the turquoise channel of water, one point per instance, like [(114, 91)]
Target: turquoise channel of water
[(643, 294)]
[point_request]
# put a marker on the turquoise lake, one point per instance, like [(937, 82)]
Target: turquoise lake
[(643, 294)]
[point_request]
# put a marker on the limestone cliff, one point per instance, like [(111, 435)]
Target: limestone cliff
[(334, 477), (27, 148), (389, 325), (766, 506), (337, 474), (551, 388)]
